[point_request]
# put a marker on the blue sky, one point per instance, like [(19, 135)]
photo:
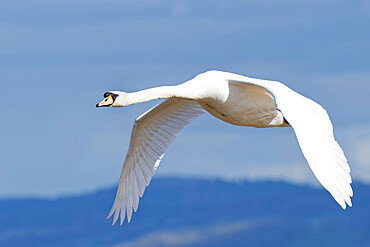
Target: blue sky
[(58, 58)]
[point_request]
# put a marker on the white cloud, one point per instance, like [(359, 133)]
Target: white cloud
[(356, 144), (295, 173)]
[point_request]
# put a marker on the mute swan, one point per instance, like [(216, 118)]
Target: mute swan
[(235, 99)]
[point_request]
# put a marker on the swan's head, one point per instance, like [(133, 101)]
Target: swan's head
[(112, 98)]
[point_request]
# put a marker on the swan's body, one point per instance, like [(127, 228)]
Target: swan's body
[(235, 99), (240, 104)]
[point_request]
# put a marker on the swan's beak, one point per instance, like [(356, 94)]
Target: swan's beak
[(108, 101)]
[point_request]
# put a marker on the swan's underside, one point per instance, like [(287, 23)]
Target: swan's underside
[(246, 105)]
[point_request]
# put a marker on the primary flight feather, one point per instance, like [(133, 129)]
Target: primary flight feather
[(235, 99)]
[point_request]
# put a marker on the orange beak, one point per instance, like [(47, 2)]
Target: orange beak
[(108, 101)]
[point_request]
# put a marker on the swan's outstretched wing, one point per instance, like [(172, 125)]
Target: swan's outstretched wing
[(152, 133), (314, 132)]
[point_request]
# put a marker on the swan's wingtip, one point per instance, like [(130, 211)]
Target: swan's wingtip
[(350, 203)]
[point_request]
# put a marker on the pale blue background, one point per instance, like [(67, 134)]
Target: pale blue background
[(57, 58)]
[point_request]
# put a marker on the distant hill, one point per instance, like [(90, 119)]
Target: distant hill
[(191, 212)]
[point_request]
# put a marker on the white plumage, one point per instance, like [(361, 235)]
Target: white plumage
[(235, 99)]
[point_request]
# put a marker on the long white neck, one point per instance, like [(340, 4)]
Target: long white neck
[(164, 92)]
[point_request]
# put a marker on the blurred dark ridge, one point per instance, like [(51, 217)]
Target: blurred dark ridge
[(193, 212)]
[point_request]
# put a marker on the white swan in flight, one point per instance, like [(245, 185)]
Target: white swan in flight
[(235, 99)]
